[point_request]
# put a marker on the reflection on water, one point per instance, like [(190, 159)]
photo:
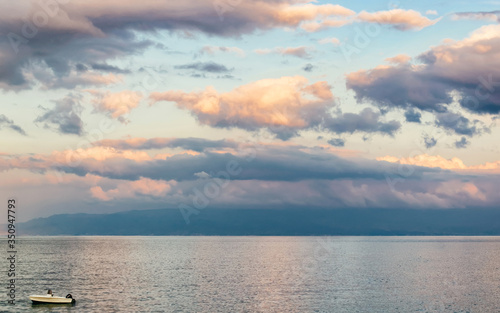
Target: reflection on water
[(49, 307), (260, 274)]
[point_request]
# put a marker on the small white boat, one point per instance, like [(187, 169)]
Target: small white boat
[(50, 298)]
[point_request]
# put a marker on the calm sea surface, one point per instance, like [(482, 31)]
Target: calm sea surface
[(258, 274)]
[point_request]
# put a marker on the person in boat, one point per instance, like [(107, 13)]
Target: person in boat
[(50, 293)]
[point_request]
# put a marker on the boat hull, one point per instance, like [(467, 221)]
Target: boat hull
[(36, 299)]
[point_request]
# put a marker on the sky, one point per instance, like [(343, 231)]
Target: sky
[(112, 106)]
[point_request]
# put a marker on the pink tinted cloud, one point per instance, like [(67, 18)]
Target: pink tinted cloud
[(427, 161), (332, 40), (398, 18), (461, 190), (296, 14), (300, 52), (284, 106), (86, 17), (117, 104), (350, 193), (133, 189), (399, 59), (68, 158), (93, 32), (280, 174), (285, 101), (317, 26), (99, 154), (469, 66), (441, 162)]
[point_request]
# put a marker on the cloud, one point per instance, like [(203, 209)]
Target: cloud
[(462, 190), (299, 52), (310, 11), (459, 124), (72, 159), (59, 63), (308, 67), (293, 174), (58, 36), (202, 175), (95, 153), (116, 104), (85, 37), (336, 142), (399, 59), (318, 17), (366, 121), (74, 79), (396, 86), (64, 117), (210, 67), (462, 143), (191, 16), (283, 106), (493, 16), (413, 116), (398, 18), (332, 40), (132, 189), (109, 68), (441, 162), (214, 49), (469, 67), (194, 144), (6, 122), (350, 193), (431, 12), (260, 162), (429, 141), (317, 26), (427, 161), (287, 102)]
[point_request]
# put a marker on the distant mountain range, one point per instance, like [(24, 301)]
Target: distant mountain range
[(278, 222)]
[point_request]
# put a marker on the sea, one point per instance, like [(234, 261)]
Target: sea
[(256, 274)]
